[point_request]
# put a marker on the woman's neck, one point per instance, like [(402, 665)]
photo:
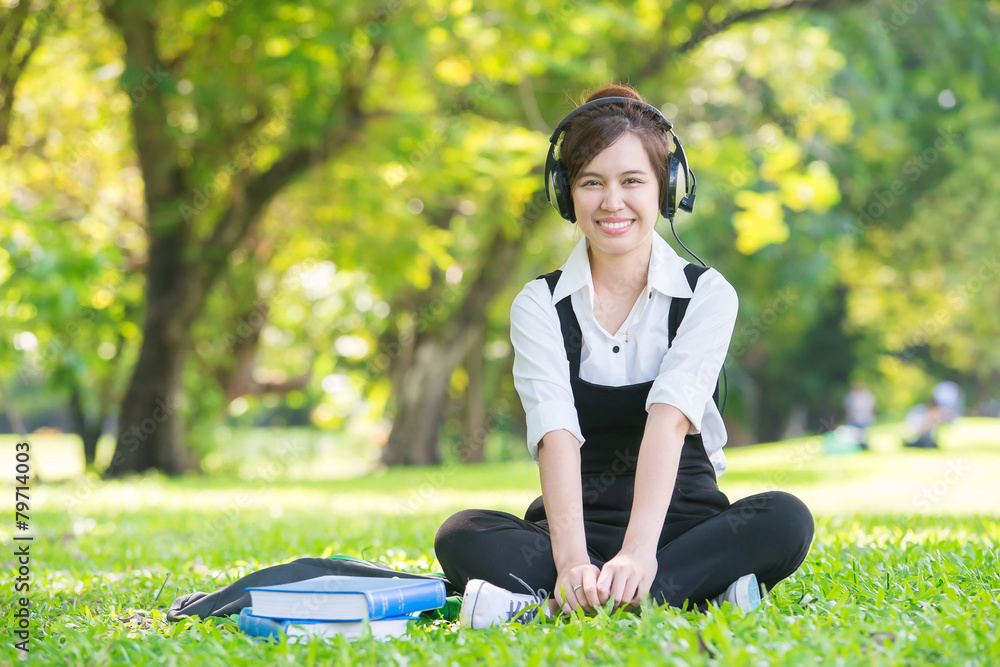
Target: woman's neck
[(620, 275)]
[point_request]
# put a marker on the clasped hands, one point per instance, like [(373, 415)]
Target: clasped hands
[(626, 578)]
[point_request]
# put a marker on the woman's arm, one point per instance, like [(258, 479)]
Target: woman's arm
[(629, 575), (656, 472), (562, 492)]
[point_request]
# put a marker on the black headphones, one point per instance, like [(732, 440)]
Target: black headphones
[(557, 186)]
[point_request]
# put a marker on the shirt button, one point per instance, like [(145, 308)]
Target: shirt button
[(615, 349)]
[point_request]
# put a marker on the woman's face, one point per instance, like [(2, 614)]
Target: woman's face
[(617, 198)]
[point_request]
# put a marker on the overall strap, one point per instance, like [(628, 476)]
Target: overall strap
[(570, 326), (679, 306), (572, 336)]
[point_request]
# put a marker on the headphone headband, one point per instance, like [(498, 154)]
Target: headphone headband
[(609, 100), (557, 186)]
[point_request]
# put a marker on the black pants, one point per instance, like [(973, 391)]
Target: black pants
[(768, 534)]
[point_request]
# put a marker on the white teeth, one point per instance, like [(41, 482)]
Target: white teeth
[(615, 225)]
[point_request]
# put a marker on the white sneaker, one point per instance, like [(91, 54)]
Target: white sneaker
[(744, 594), (485, 605)]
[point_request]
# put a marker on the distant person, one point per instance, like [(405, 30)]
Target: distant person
[(620, 419), (948, 396), (925, 420), (859, 409)]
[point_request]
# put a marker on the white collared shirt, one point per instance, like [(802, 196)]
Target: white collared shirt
[(684, 378)]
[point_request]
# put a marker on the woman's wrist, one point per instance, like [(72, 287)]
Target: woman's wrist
[(638, 546), (571, 560)]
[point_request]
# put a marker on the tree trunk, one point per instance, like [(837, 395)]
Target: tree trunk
[(420, 387), (13, 416), (89, 431), (150, 428), (473, 440), (423, 390), (772, 408)]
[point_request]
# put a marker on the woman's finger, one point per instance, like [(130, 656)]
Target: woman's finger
[(591, 594), (618, 587), (569, 597), (604, 583), (630, 590)]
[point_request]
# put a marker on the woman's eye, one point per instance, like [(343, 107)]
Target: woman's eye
[(632, 180), (588, 183)]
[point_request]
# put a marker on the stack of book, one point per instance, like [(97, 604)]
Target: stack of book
[(339, 605)]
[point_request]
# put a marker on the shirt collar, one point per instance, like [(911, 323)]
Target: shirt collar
[(666, 272)]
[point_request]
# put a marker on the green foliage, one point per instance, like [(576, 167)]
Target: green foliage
[(799, 124)]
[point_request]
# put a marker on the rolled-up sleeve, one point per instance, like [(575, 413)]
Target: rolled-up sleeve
[(690, 368), (541, 371)]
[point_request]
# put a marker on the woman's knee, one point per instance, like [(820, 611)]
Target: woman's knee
[(792, 527), (452, 530), (780, 515), (795, 514)]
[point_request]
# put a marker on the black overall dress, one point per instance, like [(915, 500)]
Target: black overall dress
[(705, 543), (612, 420)]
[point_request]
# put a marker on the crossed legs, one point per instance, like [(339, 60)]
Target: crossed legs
[(768, 534)]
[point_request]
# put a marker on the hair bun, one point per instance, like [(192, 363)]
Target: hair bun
[(615, 90)]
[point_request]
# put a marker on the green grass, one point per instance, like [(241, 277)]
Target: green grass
[(903, 569)]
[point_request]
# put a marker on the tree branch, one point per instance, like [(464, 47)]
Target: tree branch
[(710, 28), (10, 72), (251, 198), (501, 252)]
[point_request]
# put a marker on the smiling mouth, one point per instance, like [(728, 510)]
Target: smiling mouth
[(615, 225)]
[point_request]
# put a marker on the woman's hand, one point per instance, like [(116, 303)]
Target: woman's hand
[(579, 583), (627, 577)]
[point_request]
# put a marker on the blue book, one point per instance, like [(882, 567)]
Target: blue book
[(346, 598), (267, 628)]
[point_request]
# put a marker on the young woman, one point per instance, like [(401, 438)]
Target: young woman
[(621, 419)]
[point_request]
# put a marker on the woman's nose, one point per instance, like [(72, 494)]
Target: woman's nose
[(612, 200)]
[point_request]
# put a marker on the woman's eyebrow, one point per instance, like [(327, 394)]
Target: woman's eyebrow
[(624, 173)]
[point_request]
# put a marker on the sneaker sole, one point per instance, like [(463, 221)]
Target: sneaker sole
[(748, 596), (468, 612)]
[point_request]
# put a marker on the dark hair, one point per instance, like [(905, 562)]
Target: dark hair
[(595, 129)]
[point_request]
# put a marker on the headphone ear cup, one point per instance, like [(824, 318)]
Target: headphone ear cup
[(560, 195), (669, 207)]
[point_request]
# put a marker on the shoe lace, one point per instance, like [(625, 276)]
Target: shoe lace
[(525, 612)]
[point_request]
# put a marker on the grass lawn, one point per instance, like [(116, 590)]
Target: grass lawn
[(903, 569)]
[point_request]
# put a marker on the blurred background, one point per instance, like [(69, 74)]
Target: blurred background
[(235, 231)]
